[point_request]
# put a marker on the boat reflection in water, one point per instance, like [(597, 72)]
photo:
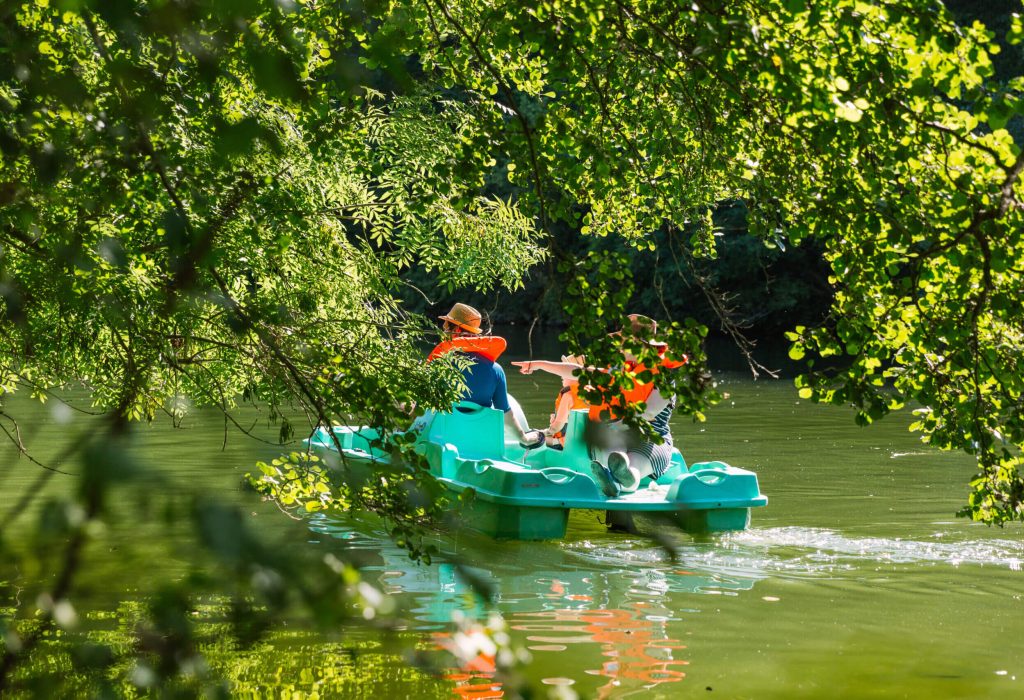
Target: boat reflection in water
[(611, 613)]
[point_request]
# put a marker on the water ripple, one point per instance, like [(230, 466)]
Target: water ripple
[(830, 546), (738, 560)]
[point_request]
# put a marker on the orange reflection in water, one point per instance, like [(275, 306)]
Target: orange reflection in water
[(469, 686), (637, 651), (635, 647), (474, 680)]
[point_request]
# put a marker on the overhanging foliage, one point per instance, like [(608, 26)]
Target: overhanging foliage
[(220, 199)]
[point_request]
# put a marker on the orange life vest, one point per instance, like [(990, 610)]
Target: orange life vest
[(573, 389), (490, 346), (640, 392)]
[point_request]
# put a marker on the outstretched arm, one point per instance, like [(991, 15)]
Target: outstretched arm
[(559, 369)]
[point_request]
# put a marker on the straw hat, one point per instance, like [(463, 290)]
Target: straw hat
[(577, 360), (465, 317), (645, 329)]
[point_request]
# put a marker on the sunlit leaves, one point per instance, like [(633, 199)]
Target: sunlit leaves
[(307, 210), (299, 480), (490, 243)]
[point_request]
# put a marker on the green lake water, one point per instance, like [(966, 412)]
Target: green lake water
[(855, 581)]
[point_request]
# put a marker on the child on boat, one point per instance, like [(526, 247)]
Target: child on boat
[(568, 396)]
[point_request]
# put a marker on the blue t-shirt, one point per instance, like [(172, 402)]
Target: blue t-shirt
[(486, 384)]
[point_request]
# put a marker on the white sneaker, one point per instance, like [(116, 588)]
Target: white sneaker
[(618, 465), (604, 480)]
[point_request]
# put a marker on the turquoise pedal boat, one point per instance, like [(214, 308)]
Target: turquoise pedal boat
[(527, 494)]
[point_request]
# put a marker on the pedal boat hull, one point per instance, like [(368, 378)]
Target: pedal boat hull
[(527, 495)]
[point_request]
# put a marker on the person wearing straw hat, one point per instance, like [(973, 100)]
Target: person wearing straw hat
[(622, 460), (485, 380), (629, 460)]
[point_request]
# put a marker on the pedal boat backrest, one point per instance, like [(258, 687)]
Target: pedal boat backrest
[(574, 454), (475, 431)]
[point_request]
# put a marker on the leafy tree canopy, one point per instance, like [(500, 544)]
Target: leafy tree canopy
[(221, 199), (877, 129)]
